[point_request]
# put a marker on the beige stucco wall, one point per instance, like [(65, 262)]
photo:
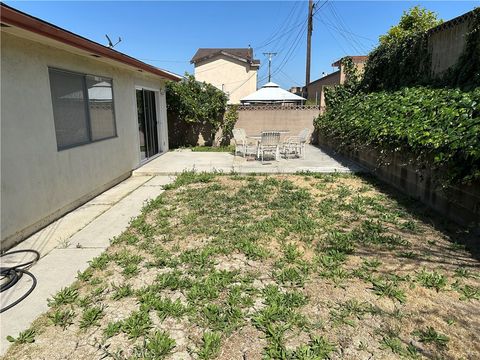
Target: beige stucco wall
[(234, 77), (38, 182), (260, 119)]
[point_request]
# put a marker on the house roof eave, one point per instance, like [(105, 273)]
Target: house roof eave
[(16, 18)]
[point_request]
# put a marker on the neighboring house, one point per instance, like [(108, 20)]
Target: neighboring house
[(316, 89), (77, 118), (297, 90), (233, 71), (272, 94)]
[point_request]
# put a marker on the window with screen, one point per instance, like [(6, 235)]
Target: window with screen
[(83, 108)]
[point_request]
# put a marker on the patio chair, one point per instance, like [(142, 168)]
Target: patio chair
[(295, 145), (243, 144), (269, 143)]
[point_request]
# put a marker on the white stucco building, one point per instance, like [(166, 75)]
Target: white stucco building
[(76, 118), (232, 70)]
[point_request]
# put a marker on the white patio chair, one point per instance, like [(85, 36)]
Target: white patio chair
[(243, 144), (295, 145), (269, 143)]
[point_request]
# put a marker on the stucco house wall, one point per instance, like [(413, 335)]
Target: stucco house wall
[(39, 183), (316, 89), (236, 78)]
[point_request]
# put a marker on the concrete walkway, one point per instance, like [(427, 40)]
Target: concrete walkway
[(175, 162), (69, 243)]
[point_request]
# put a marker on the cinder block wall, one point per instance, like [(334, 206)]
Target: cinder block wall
[(447, 42)]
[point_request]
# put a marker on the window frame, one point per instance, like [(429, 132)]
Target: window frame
[(87, 108)]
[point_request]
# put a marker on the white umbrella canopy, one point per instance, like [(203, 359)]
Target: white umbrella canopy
[(272, 93)]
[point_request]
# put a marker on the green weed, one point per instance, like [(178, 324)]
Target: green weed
[(122, 291), (112, 329), (65, 296), (25, 337), (388, 289), (317, 348), (430, 336), (62, 318), (210, 346), (100, 262), (91, 316), (137, 324), (432, 280), (156, 346)]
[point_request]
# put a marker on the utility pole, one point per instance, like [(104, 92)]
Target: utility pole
[(309, 44), (269, 54)]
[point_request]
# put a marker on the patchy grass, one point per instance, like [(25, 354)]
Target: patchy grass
[(307, 266)]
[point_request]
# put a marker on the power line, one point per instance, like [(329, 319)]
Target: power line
[(317, 8), (358, 47), (290, 51), (281, 26), (298, 22), (289, 78), (238, 87), (364, 48)]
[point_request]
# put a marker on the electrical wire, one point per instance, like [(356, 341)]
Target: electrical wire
[(291, 50), (13, 274), (283, 24), (238, 87), (345, 30)]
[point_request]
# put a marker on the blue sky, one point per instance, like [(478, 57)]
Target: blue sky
[(167, 33)]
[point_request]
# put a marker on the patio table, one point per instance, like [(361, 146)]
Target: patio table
[(259, 136)]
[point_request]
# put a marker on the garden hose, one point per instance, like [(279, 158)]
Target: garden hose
[(13, 274)]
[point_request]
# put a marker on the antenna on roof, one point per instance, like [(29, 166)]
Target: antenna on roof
[(111, 45)]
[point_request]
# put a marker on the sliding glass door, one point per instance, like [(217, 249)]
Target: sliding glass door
[(147, 123)]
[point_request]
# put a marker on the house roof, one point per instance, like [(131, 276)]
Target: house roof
[(271, 92), (243, 54), (326, 77), (11, 17), (357, 59)]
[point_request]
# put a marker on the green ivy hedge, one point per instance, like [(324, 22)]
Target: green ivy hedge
[(436, 128)]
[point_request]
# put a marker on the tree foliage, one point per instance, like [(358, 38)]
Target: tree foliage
[(412, 23), (196, 102), (230, 119), (402, 58)]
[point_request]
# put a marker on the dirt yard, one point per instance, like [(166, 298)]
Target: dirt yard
[(312, 266)]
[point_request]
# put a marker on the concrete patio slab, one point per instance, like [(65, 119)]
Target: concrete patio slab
[(175, 162), (90, 227)]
